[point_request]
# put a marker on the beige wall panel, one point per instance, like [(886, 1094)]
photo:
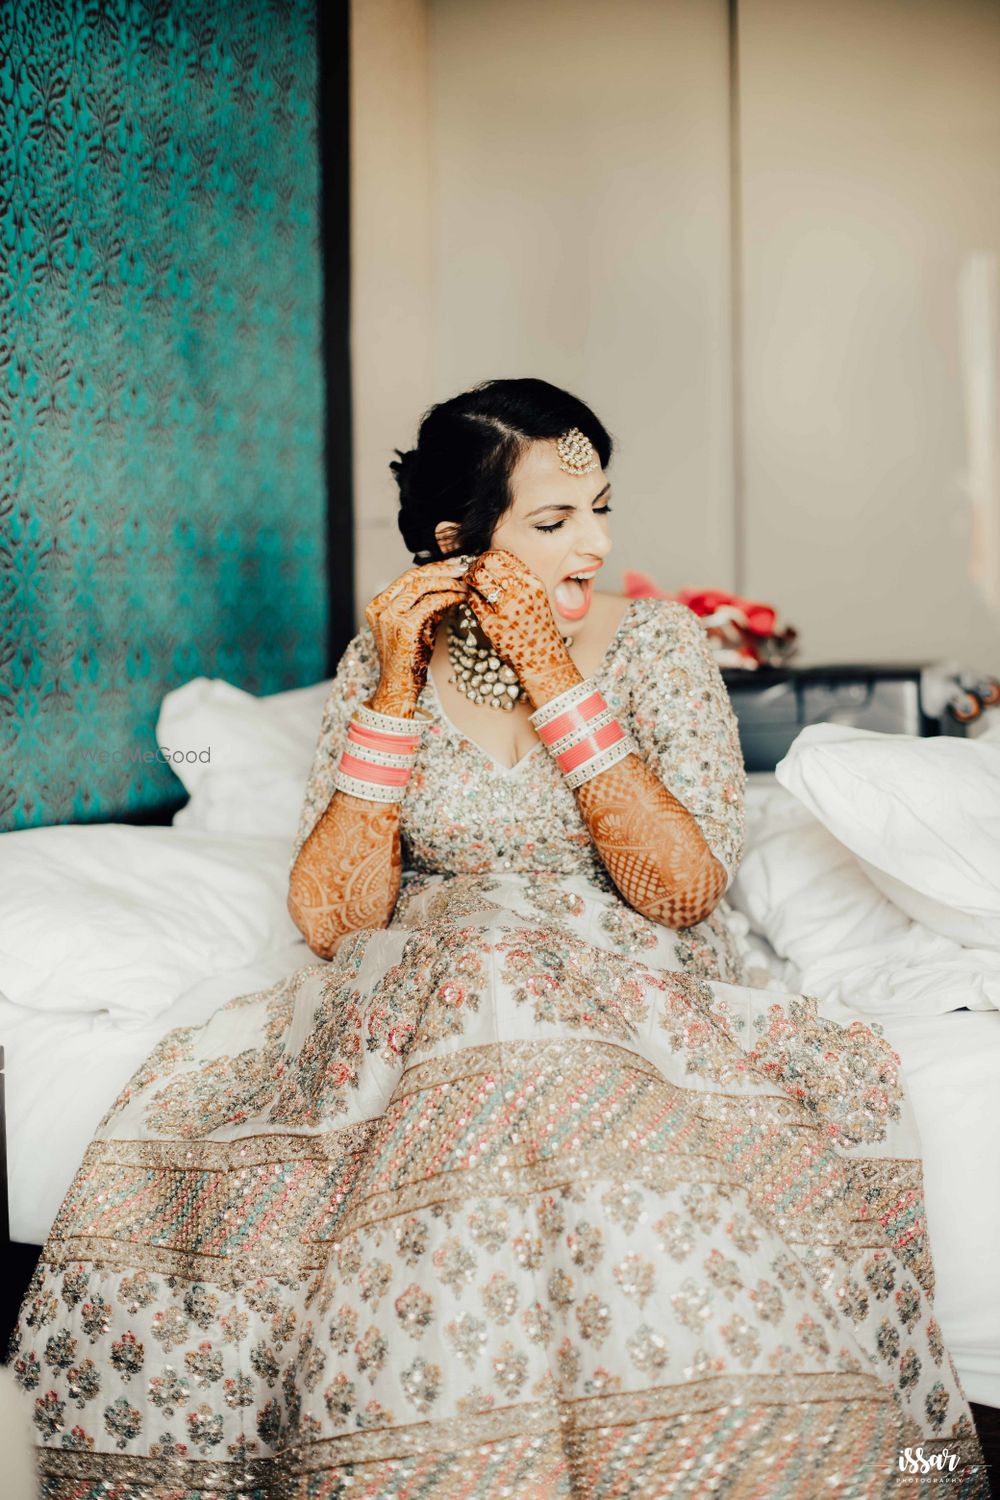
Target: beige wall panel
[(870, 137), (580, 234), (391, 267)]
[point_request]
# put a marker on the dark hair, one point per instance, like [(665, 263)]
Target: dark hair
[(467, 449)]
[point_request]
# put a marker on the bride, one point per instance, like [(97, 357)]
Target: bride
[(519, 1189)]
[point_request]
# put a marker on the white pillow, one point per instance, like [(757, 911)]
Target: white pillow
[(110, 917), (244, 760), (800, 888), (810, 898), (922, 815)]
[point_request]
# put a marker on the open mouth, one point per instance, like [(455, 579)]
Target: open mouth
[(572, 594)]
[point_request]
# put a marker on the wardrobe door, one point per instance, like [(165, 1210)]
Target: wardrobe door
[(869, 156)]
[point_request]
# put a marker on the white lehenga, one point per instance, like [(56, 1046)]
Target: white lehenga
[(523, 1195)]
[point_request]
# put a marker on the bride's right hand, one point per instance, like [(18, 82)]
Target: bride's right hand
[(403, 620)]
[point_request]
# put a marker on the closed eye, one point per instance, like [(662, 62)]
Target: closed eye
[(599, 510)]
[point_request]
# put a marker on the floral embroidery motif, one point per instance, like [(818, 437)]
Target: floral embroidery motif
[(847, 1076), (567, 983)]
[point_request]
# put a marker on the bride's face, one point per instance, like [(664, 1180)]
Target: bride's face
[(558, 526)]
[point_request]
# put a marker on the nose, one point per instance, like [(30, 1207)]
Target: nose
[(596, 540)]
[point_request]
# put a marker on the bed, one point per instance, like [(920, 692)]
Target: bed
[(142, 930)]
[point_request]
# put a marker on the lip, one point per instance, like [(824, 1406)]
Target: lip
[(582, 572)]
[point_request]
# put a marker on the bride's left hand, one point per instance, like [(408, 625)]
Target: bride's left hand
[(518, 622)]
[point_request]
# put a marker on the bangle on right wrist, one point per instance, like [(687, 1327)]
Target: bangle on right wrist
[(376, 762), (378, 719)]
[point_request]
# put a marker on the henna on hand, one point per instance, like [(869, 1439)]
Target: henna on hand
[(403, 620), (519, 622)]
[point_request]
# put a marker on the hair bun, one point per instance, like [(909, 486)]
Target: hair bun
[(404, 469), (402, 466)]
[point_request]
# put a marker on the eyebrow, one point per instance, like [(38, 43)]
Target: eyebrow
[(539, 508)]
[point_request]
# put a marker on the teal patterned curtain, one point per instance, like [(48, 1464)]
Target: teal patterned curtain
[(162, 506)]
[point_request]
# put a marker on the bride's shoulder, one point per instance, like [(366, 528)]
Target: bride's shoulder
[(361, 647), (653, 619), (655, 636), (358, 665)]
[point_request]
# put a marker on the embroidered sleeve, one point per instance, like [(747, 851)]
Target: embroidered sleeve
[(686, 728), (355, 680)]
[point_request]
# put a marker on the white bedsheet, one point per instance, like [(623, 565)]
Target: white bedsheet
[(64, 1071), (951, 1064)]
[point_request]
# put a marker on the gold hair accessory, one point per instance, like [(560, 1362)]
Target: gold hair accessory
[(577, 454)]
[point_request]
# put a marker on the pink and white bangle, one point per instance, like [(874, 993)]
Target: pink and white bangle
[(376, 762), (580, 731)]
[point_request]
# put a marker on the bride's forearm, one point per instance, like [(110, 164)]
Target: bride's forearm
[(650, 844), (348, 872)]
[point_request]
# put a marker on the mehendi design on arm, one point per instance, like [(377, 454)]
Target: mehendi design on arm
[(651, 845), (348, 872)]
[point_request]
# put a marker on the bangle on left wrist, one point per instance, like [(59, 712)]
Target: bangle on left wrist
[(581, 732)]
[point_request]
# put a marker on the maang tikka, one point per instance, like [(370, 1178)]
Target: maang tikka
[(477, 671), (577, 454)]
